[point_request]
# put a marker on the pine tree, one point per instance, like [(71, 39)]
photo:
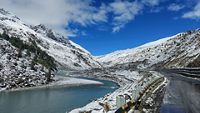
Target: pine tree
[(48, 75)]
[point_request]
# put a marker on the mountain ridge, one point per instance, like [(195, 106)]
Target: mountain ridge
[(145, 54), (64, 51), (167, 51)]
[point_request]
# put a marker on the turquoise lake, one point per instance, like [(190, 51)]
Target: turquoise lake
[(53, 100)]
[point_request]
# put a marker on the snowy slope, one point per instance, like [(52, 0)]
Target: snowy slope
[(15, 71), (178, 50), (64, 51)]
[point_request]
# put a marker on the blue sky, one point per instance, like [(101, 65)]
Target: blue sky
[(104, 26), (146, 27)]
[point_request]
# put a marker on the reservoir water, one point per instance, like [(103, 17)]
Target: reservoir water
[(53, 100)]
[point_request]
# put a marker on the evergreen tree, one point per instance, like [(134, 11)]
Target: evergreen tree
[(48, 75), (41, 57), (5, 36)]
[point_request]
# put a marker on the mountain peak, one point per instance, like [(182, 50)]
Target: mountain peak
[(47, 32), (7, 14), (4, 12), (65, 52), (41, 26)]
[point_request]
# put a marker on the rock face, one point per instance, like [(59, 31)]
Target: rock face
[(15, 71), (181, 50), (65, 52), (20, 67), (42, 29)]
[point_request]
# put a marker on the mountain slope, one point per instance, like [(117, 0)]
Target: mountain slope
[(18, 66), (180, 50), (64, 51)]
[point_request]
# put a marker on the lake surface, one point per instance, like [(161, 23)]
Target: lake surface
[(182, 95), (53, 100)]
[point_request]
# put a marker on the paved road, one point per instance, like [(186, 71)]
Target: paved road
[(182, 95)]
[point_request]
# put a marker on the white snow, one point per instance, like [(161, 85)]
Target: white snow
[(182, 45), (157, 42), (61, 81), (95, 107), (132, 75), (78, 46), (70, 81), (69, 55)]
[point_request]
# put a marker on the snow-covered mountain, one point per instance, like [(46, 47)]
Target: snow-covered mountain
[(180, 50), (17, 68), (64, 51)]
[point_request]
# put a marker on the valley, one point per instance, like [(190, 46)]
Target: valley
[(48, 73)]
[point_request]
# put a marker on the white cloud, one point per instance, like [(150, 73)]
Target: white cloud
[(126, 11), (55, 13), (85, 14), (123, 13), (194, 14), (175, 7), (156, 9), (60, 14), (151, 2)]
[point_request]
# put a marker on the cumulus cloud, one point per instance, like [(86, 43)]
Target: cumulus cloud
[(123, 13), (175, 7), (126, 11), (60, 14), (55, 13), (151, 2), (194, 14)]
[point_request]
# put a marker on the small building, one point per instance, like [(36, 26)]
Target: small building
[(120, 101), (135, 94)]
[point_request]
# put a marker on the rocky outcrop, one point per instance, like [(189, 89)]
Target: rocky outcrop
[(16, 71)]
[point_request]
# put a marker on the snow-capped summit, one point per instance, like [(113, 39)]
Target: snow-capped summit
[(64, 51), (179, 50), (5, 13), (42, 29)]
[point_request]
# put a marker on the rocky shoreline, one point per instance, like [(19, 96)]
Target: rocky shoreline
[(59, 82), (125, 88)]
